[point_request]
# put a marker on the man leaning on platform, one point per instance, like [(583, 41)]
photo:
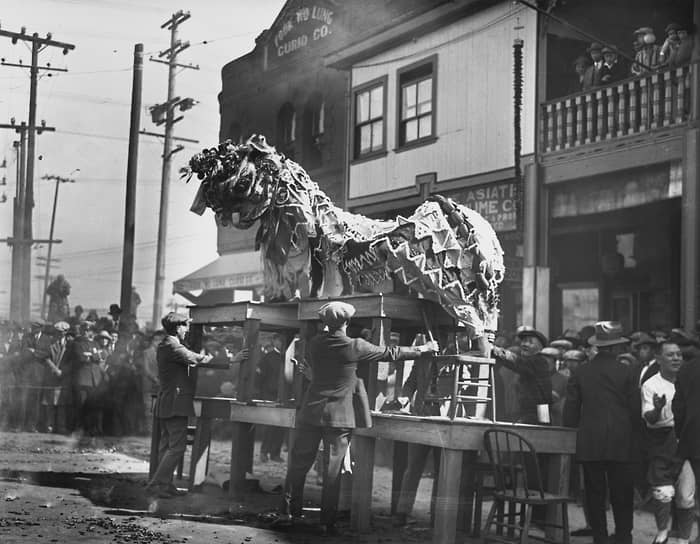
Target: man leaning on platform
[(328, 412), (175, 400)]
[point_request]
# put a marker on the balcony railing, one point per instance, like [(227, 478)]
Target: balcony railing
[(633, 106)]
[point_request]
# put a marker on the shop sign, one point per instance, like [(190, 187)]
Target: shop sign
[(303, 27), (495, 202)]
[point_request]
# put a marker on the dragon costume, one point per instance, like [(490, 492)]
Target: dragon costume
[(445, 252)]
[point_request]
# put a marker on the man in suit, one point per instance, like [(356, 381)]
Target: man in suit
[(327, 412), (175, 400), (613, 70), (600, 402), (591, 77), (686, 414)]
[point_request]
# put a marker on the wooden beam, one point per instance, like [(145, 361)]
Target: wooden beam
[(447, 500), (264, 415), (273, 316), (362, 479)]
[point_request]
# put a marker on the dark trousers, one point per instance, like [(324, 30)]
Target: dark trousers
[(302, 457), (171, 447), (603, 478), (417, 456), (272, 438)]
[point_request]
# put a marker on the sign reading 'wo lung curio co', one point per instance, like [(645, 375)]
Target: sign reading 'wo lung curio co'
[(304, 26)]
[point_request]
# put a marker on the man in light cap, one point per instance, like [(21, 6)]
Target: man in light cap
[(600, 401), (175, 401), (534, 374), (327, 412), (647, 54)]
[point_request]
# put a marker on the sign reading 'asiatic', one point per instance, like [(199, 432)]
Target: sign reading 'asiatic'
[(495, 202), (304, 26)]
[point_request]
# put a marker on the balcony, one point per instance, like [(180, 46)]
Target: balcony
[(632, 107)]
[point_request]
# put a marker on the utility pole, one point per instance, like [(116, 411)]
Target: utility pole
[(22, 239), (157, 112), (131, 171), (59, 180)]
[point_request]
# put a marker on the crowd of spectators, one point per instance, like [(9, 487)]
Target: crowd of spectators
[(84, 373), (603, 65)]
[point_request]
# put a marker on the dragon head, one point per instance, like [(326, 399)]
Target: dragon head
[(237, 181)]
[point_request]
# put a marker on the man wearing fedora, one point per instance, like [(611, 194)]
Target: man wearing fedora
[(327, 411), (175, 401), (591, 77), (600, 402), (534, 385)]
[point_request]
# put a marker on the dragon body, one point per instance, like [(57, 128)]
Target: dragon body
[(445, 252)]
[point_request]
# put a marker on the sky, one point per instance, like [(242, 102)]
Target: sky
[(90, 108)]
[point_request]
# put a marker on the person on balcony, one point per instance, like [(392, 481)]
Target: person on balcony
[(613, 70), (581, 64), (591, 77), (670, 44), (647, 52), (684, 51)]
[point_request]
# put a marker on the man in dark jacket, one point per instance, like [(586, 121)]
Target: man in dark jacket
[(600, 402), (534, 386), (175, 400), (327, 411)]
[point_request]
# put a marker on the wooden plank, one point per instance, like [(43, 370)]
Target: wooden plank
[(369, 305), (447, 500), (263, 415), (214, 407), (274, 316), (363, 476), (464, 434), (199, 457)]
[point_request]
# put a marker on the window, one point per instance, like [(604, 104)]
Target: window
[(370, 106), (286, 129), (417, 103), (313, 130)]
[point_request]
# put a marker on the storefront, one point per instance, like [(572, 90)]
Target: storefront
[(615, 249)]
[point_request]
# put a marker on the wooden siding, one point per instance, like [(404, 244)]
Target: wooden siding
[(474, 101)]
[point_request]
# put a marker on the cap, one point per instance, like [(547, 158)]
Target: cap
[(607, 333), (607, 49), (644, 30), (173, 318), (104, 334), (574, 355), (562, 344), (595, 46), (672, 26), (550, 352), (61, 326), (641, 338), (526, 330), (335, 313), (114, 309)]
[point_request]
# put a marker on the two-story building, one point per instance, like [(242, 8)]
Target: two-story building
[(283, 90), (603, 223)]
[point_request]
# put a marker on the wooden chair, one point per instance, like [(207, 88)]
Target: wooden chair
[(518, 483), (191, 430)]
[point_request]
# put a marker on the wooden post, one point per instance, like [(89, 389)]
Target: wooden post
[(569, 123), (632, 127), (610, 99), (621, 110), (399, 464), (550, 128), (579, 120), (557, 483), (681, 113), (199, 458), (643, 105), (246, 377), (589, 117), (241, 445), (447, 501), (561, 126), (600, 130), (668, 98), (690, 229), (655, 100), (363, 477)]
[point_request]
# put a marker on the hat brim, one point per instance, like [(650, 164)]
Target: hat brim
[(593, 341), (537, 334)]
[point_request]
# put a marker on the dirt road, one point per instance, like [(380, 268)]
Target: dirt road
[(62, 489)]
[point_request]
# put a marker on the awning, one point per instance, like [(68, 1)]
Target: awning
[(241, 270)]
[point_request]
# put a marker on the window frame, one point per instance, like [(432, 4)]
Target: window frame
[(433, 62), (366, 87)]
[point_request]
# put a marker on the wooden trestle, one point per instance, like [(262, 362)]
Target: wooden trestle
[(460, 439)]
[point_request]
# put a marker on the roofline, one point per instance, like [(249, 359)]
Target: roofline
[(393, 35)]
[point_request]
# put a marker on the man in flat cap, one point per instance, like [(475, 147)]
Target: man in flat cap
[(600, 401), (534, 375), (613, 70), (56, 397), (175, 401), (327, 412)]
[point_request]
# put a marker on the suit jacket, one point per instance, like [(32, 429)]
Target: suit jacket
[(612, 74), (333, 357), (591, 77), (600, 401), (177, 384), (686, 410)]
